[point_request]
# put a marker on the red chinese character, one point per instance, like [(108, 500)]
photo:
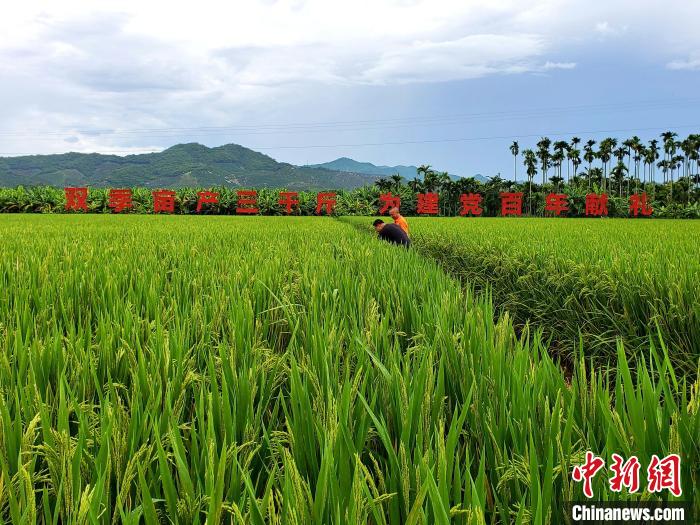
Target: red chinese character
[(665, 474), (76, 198), (597, 205), (206, 197), (587, 471), (556, 202), (471, 203), (512, 204), (327, 200), (626, 475), (390, 201), (288, 199), (120, 200), (164, 200), (247, 199), (428, 203), (638, 203)]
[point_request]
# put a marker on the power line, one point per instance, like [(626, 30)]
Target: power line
[(428, 141), (368, 124), (502, 137)]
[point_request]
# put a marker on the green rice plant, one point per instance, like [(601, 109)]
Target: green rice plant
[(581, 279), (170, 369)]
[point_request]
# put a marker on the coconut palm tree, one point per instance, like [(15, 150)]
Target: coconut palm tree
[(676, 163), (630, 145), (574, 156), (695, 156), (620, 154), (397, 180), (669, 146), (664, 166), (416, 185), (653, 157), (383, 184), (560, 147), (544, 156), (637, 157), (589, 156), (607, 146), (618, 173), (530, 161), (687, 147), (557, 160), (430, 178), (515, 149), (595, 175)]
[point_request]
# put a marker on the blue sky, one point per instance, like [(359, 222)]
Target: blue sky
[(446, 83)]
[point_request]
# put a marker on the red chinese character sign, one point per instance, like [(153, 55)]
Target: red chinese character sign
[(325, 200), (247, 202), (120, 200), (388, 201), (206, 197), (428, 203), (471, 204), (638, 204), (288, 199), (511, 204), (76, 198), (164, 201), (556, 203), (597, 205)]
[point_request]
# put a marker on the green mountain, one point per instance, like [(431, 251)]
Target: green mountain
[(347, 165), (182, 165)]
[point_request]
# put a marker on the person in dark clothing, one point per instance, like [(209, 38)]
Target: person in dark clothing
[(391, 233)]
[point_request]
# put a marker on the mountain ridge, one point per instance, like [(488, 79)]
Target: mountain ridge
[(346, 164), (187, 165)]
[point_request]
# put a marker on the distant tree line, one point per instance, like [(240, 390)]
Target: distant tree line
[(618, 169), (364, 201)]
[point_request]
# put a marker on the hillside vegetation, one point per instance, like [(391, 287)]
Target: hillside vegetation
[(184, 165)]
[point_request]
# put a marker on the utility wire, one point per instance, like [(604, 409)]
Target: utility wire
[(361, 125), (429, 141)]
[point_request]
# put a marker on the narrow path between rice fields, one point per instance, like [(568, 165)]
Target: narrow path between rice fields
[(527, 330), (585, 286)]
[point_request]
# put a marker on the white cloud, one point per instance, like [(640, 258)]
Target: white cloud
[(79, 65), (559, 65), (690, 64)]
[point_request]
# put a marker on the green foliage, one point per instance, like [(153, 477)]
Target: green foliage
[(581, 279), (184, 165), (291, 370), (365, 200)]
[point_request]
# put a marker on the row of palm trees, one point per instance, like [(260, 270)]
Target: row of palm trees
[(681, 160), (426, 180)]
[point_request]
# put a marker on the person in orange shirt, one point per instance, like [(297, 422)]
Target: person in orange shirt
[(398, 219)]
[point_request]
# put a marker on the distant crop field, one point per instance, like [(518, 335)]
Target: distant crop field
[(586, 283), (179, 369)]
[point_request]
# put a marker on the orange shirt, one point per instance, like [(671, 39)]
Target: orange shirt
[(402, 223)]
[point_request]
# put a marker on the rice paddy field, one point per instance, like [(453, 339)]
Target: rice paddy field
[(178, 369), (585, 283)]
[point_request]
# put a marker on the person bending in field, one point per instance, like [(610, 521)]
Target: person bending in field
[(399, 220), (391, 233)]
